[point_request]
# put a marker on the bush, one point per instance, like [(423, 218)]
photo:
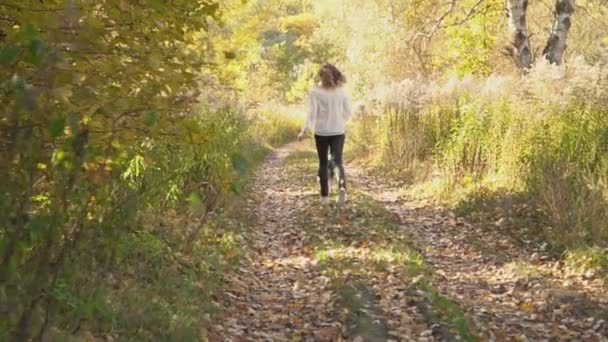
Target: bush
[(406, 137), (275, 125), (117, 231), (103, 146), (568, 169)]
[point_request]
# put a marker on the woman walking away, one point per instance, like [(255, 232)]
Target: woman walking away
[(329, 110)]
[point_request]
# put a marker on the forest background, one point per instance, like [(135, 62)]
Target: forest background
[(130, 129)]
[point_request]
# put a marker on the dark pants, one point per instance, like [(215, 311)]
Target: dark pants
[(335, 144)]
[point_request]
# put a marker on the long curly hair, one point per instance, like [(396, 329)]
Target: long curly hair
[(331, 77)]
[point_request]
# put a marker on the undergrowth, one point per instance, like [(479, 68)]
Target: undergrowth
[(150, 268), (532, 151)]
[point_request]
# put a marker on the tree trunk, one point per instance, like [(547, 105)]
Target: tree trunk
[(554, 50), (520, 44)]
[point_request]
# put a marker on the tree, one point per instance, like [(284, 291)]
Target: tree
[(92, 91), (520, 49), (520, 44), (556, 45)]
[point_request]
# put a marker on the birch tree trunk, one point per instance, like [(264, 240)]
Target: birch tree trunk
[(520, 44), (554, 50)]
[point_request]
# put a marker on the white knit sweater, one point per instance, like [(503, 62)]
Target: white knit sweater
[(328, 111)]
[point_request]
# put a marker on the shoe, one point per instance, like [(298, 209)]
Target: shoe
[(324, 200), (342, 196)]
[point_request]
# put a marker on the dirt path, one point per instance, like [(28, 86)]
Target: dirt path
[(356, 274), (276, 295), (510, 291), (319, 274)]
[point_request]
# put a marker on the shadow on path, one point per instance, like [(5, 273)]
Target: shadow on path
[(510, 292)]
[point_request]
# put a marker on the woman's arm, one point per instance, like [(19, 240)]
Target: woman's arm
[(311, 115)]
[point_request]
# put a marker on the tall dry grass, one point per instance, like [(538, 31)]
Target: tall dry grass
[(275, 124), (545, 134)]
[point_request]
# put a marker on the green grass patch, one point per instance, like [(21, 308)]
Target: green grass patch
[(451, 312), (588, 259), (360, 307)]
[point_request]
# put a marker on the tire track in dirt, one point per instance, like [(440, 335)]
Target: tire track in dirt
[(278, 294)]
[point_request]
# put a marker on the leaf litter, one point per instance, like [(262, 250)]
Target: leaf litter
[(511, 291), (292, 286), (472, 284)]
